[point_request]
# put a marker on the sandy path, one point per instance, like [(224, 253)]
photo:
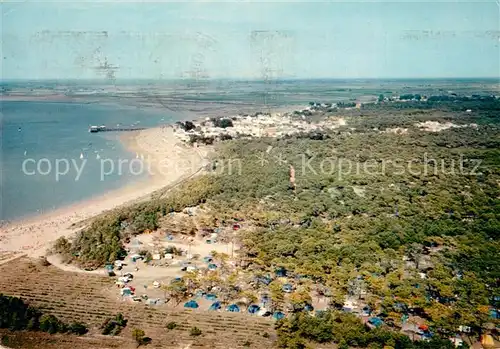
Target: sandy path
[(168, 163)]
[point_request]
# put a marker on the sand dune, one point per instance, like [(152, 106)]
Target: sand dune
[(168, 163)]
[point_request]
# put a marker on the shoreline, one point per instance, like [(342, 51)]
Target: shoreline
[(33, 235)]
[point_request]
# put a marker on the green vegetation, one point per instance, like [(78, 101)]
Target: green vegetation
[(172, 325), (102, 242), (113, 326), (186, 125), (195, 331), (407, 223), (222, 122), (140, 337), (347, 330), (17, 315)]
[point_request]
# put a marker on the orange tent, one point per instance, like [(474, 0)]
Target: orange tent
[(487, 341), (423, 327)]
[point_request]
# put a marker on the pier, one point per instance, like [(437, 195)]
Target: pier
[(94, 129)]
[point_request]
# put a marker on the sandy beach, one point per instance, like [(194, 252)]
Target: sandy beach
[(167, 162)]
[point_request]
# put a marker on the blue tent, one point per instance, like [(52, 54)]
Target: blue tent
[(169, 237), (253, 309), (280, 272), (212, 266), (233, 308), (191, 304), (494, 314), (308, 307), (215, 306), (287, 288), (210, 296), (376, 321), (278, 315), (367, 311), (207, 259), (401, 307), (266, 280), (264, 298)]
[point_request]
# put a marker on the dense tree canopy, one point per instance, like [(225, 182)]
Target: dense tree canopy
[(413, 219)]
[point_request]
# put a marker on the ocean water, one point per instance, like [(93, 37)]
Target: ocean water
[(41, 135)]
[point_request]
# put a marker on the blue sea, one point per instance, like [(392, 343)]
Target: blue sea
[(40, 135)]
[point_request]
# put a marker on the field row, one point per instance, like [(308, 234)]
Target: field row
[(86, 298)]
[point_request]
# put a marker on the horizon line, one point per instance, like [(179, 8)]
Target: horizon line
[(253, 79)]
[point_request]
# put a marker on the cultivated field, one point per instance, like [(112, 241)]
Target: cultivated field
[(6, 256), (87, 298)]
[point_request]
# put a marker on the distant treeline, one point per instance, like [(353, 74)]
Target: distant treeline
[(489, 106), (17, 315)]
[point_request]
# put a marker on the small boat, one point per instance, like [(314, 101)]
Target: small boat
[(98, 156), (25, 152), (81, 155)]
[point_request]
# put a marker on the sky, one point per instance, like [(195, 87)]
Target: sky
[(249, 40)]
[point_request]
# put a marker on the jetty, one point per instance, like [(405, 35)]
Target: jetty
[(94, 129)]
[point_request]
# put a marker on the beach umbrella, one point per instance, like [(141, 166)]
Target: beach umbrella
[(191, 304)]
